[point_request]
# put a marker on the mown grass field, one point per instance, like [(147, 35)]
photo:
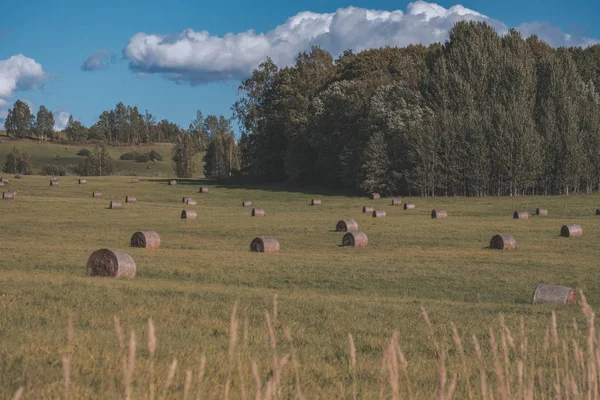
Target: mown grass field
[(60, 154), (324, 291)]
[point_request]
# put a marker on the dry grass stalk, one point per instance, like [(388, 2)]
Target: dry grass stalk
[(430, 332), (188, 384), (119, 332), (352, 365), (392, 367), (404, 365), (170, 375), (151, 350), (111, 263), (272, 337), (189, 214), (145, 240), (18, 394), (498, 369), (130, 366), (241, 376), (459, 346), (233, 331), (442, 382), (66, 367), (275, 309), (257, 382), (265, 244), (482, 373), (201, 370)]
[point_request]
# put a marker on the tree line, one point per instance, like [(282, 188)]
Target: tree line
[(481, 114)]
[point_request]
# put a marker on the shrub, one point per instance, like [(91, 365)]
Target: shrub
[(84, 152), (18, 162), (155, 155), (59, 170), (131, 155), (142, 158)]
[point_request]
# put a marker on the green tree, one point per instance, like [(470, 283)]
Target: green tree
[(44, 123), (20, 121), (98, 163), (17, 162), (377, 167), (75, 130), (184, 154)]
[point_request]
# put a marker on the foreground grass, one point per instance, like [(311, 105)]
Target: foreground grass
[(324, 292), (57, 154)]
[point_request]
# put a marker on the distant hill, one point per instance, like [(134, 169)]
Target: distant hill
[(57, 154)]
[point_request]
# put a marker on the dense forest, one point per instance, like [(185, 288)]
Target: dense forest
[(481, 114)]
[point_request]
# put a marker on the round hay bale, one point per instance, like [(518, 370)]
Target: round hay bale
[(520, 215), (203, 189), (54, 178), (17, 176), (172, 182), (258, 212), (552, 294), (246, 203), (115, 264), (4, 180), (315, 202), (185, 199), (135, 180), (503, 242), (189, 214), (191, 202), (375, 196), (368, 209), (355, 239), (347, 226), (378, 213), (396, 201), (8, 196), (542, 212), (146, 240), (1, 184), (130, 199), (265, 244), (82, 181), (409, 206), (114, 204), (571, 230), (53, 183), (96, 194), (439, 214)]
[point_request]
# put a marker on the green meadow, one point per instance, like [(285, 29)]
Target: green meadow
[(324, 292)]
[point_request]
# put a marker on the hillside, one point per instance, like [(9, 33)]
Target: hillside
[(57, 154)]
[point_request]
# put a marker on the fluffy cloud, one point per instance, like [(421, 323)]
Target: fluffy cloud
[(61, 118), (19, 73), (99, 59), (198, 57)]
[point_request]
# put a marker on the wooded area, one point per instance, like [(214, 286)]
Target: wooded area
[(482, 114)]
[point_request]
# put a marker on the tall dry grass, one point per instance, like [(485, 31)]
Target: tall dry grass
[(501, 366)]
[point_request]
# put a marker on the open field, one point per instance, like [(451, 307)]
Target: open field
[(190, 285), (60, 154)]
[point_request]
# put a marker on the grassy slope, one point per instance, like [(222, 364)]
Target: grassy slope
[(47, 153), (325, 291)]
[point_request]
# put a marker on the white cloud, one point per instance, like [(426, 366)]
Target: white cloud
[(554, 36), (19, 73), (198, 57), (60, 119)]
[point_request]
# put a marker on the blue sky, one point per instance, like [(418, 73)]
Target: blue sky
[(158, 57)]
